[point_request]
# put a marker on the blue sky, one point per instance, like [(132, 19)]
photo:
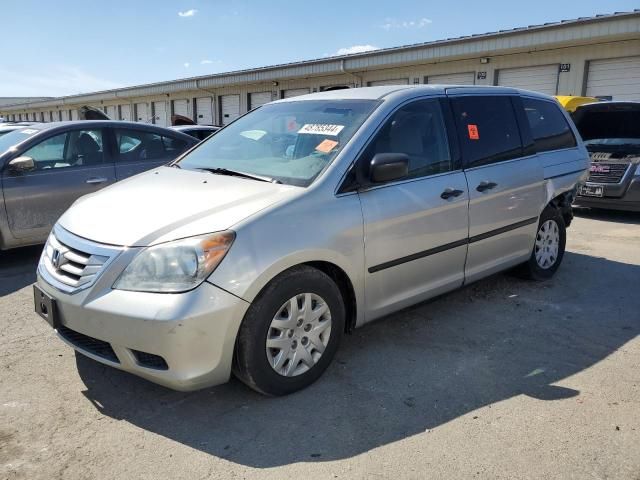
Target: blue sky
[(64, 47)]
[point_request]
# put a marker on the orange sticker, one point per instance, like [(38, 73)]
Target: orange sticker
[(473, 132), (326, 146)]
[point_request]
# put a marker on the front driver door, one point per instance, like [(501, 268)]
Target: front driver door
[(415, 229), (67, 166)]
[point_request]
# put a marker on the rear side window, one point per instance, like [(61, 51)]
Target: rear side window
[(487, 128), (174, 146), (549, 127), (139, 146)]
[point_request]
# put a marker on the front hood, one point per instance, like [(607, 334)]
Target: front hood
[(168, 204)]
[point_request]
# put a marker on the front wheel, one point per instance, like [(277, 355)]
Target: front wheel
[(290, 333), (549, 246)]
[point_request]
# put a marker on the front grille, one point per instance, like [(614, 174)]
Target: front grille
[(72, 263), (607, 172), (92, 345), (150, 360)]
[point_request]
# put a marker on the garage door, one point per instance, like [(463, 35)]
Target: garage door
[(294, 92), (229, 108), (142, 114), (74, 114), (181, 107), (204, 111), (112, 112), (125, 112), (65, 115), (395, 81), (257, 99), (618, 78), (160, 113), (542, 79), (466, 78)]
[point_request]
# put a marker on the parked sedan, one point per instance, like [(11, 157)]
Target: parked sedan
[(45, 167), (197, 131)]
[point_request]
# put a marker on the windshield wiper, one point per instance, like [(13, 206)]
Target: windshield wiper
[(235, 173)]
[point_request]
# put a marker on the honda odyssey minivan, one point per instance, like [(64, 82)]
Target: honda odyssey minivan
[(255, 251)]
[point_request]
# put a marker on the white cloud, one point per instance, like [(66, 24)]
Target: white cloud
[(393, 23), (186, 64), (60, 80), (188, 13), (206, 62), (356, 49)]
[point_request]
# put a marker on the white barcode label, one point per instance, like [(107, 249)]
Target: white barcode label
[(321, 129)]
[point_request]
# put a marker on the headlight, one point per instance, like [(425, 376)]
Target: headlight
[(175, 266)]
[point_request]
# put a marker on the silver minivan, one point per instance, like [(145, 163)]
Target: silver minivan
[(255, 251)]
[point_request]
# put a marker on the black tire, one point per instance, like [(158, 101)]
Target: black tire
[(251, 364), (531, 269)]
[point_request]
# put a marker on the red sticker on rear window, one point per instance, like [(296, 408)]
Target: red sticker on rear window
[(473, 132)]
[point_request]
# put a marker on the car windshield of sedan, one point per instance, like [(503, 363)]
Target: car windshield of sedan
[(15, 137), (291, 142)]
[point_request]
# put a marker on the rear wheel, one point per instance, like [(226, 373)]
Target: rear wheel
[(549, 246), (290, 333)]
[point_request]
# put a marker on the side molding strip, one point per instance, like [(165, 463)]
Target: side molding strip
[(449, 246)]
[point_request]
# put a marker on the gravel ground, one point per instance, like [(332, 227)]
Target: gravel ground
[(502, 379)]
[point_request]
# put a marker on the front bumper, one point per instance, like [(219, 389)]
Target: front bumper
[(630, 199), (193, 332)]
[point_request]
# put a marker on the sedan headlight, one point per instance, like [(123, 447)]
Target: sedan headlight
[(175, 266)]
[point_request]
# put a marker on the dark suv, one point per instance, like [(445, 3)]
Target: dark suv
[(611, 133)]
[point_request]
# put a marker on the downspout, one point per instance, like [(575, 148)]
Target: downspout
[(347, 72)]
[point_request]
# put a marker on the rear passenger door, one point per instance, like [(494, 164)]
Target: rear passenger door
[(505, 178), (136, 151), (415, 229)]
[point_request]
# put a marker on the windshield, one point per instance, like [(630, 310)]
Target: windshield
[(290, 142), (14, 137)]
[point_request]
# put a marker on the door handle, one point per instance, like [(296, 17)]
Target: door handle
[(486, 186), (450, 192), (96, 180)]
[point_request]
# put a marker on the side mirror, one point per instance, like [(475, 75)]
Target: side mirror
[(386, 167), (22, 164)]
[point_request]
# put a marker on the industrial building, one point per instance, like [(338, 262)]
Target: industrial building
[(595, 56)]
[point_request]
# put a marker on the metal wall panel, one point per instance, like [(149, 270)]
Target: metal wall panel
[(204, 111), (160, 114), (543, 79), (112, 112), (466, 78), (142, 113), (618, 78), (125, 112), (294, 92), (181, 107), (229, 108), (395, 81), (257, 99)]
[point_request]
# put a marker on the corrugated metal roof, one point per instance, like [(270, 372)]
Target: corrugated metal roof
[(536, 35)]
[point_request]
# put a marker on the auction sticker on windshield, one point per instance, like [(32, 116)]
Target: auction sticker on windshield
[(321, 129)]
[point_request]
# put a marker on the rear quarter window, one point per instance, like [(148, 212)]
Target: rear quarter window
[(487, 128), (549, 127)]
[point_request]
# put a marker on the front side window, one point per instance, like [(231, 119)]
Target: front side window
[(417, 130), (488, 129), (174, 146), (549, 128), (78, 148), (139, 146), (290, 142)]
